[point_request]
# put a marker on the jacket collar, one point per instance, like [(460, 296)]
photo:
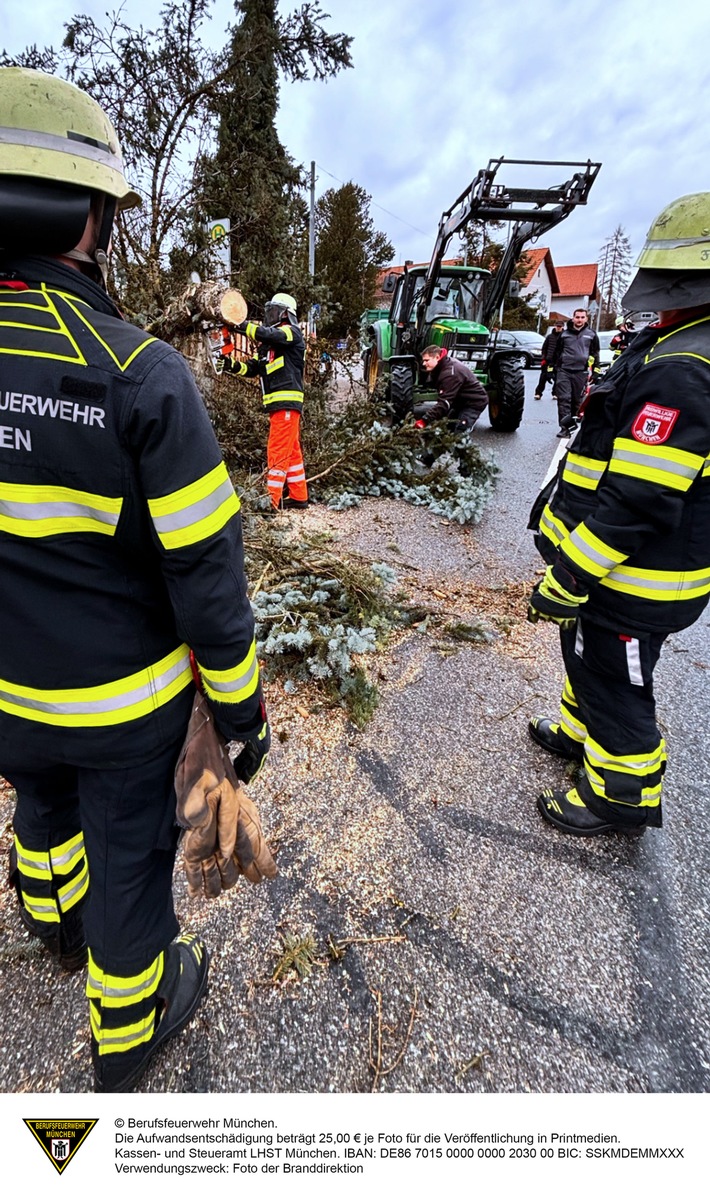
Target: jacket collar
[(36, 270)]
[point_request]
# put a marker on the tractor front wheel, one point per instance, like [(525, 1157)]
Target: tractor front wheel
[(507, 396)]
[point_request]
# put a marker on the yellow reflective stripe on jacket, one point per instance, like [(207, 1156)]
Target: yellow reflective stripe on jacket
[(288, 332), (196, 511), (120, 1039), (33, 863), (41, 510), (251, 328), (274, 365), (71, 893), (102, 705), (285, 395), (64, 346), (582, 471), (657, 585), (66, 856), (659, 465), (115, 991), (235, 684), (551, 526), (589, 552)]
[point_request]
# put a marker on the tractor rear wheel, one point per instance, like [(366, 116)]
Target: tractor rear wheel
[(371, 369), (507, 397)]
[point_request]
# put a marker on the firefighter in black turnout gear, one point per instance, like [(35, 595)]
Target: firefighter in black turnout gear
[(120, 553), (625, 530), (576, 353)]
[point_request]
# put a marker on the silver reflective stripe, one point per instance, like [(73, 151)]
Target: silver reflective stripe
[(670, 243), (633, 661), (9, 136), (659, 462), (28, 511), (145, 986), (232, 686), (579, 640), (577, 540), (76, 885), (39, 861), (76, 849), (192, 514), (679, 585), (577, 469), (104, 704)]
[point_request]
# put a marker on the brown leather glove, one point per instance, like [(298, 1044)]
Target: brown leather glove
[(224, 836)]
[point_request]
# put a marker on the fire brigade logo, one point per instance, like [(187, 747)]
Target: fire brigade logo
[(654, 424), (60, 1139)]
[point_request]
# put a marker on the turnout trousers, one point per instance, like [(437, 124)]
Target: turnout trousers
[(569, 390), (285, 457), (104, 841), (608, 705)]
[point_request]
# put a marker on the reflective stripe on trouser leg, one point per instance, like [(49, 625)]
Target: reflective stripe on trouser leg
[(285, 457), (122, 1010), (624, 753), (52, 870), (571, 722)]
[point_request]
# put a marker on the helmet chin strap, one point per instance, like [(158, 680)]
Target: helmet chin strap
[(98, 261)]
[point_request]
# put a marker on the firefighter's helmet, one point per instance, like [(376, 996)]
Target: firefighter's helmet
[(674, 263), (281, 305), (58, 149)]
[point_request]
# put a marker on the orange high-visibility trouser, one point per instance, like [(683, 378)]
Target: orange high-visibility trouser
[(285, 457)]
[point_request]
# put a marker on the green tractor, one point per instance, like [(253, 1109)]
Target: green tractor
[(453, 306)]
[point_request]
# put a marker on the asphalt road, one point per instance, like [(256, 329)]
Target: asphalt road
[(455, 943)]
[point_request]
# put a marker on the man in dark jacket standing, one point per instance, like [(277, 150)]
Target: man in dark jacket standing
[(547, 369), (461, 398), (576, 352), (121, 559), (626, 535)]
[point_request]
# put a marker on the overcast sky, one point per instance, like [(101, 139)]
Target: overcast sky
[(438, 88)]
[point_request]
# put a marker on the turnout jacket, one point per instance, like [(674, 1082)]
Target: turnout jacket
[(120, 534), (279, 361), (575, 348), (629, 512), (460, 395)]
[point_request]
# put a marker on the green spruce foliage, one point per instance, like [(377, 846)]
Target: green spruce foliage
[(349, 254)]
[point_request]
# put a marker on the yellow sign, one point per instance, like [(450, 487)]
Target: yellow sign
[(60, 1139)]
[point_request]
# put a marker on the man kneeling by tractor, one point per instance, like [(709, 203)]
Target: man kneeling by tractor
[(461, 398)]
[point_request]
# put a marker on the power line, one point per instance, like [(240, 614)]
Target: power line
[(379, 206)]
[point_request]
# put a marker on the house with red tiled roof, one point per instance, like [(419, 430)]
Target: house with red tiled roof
[(540, 279), (577, 288)]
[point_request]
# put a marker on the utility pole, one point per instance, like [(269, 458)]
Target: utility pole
[(312, 242)]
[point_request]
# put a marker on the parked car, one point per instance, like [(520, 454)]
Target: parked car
[(606, 354), (527, 342)]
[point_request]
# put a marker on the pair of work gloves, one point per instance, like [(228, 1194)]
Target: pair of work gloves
[(224, 837), (557, 597)]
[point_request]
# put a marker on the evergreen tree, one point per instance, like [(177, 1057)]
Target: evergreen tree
[(349, 254), (167, 95), (251, 178), (614, 272)]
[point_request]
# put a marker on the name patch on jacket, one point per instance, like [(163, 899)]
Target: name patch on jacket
[(654, 424)]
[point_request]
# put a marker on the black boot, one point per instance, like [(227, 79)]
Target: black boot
[(568, 813), (292, 503), (181, 989), (64, 940), (548, 735)]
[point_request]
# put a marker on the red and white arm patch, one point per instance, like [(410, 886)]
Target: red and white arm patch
[(654, 423)]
